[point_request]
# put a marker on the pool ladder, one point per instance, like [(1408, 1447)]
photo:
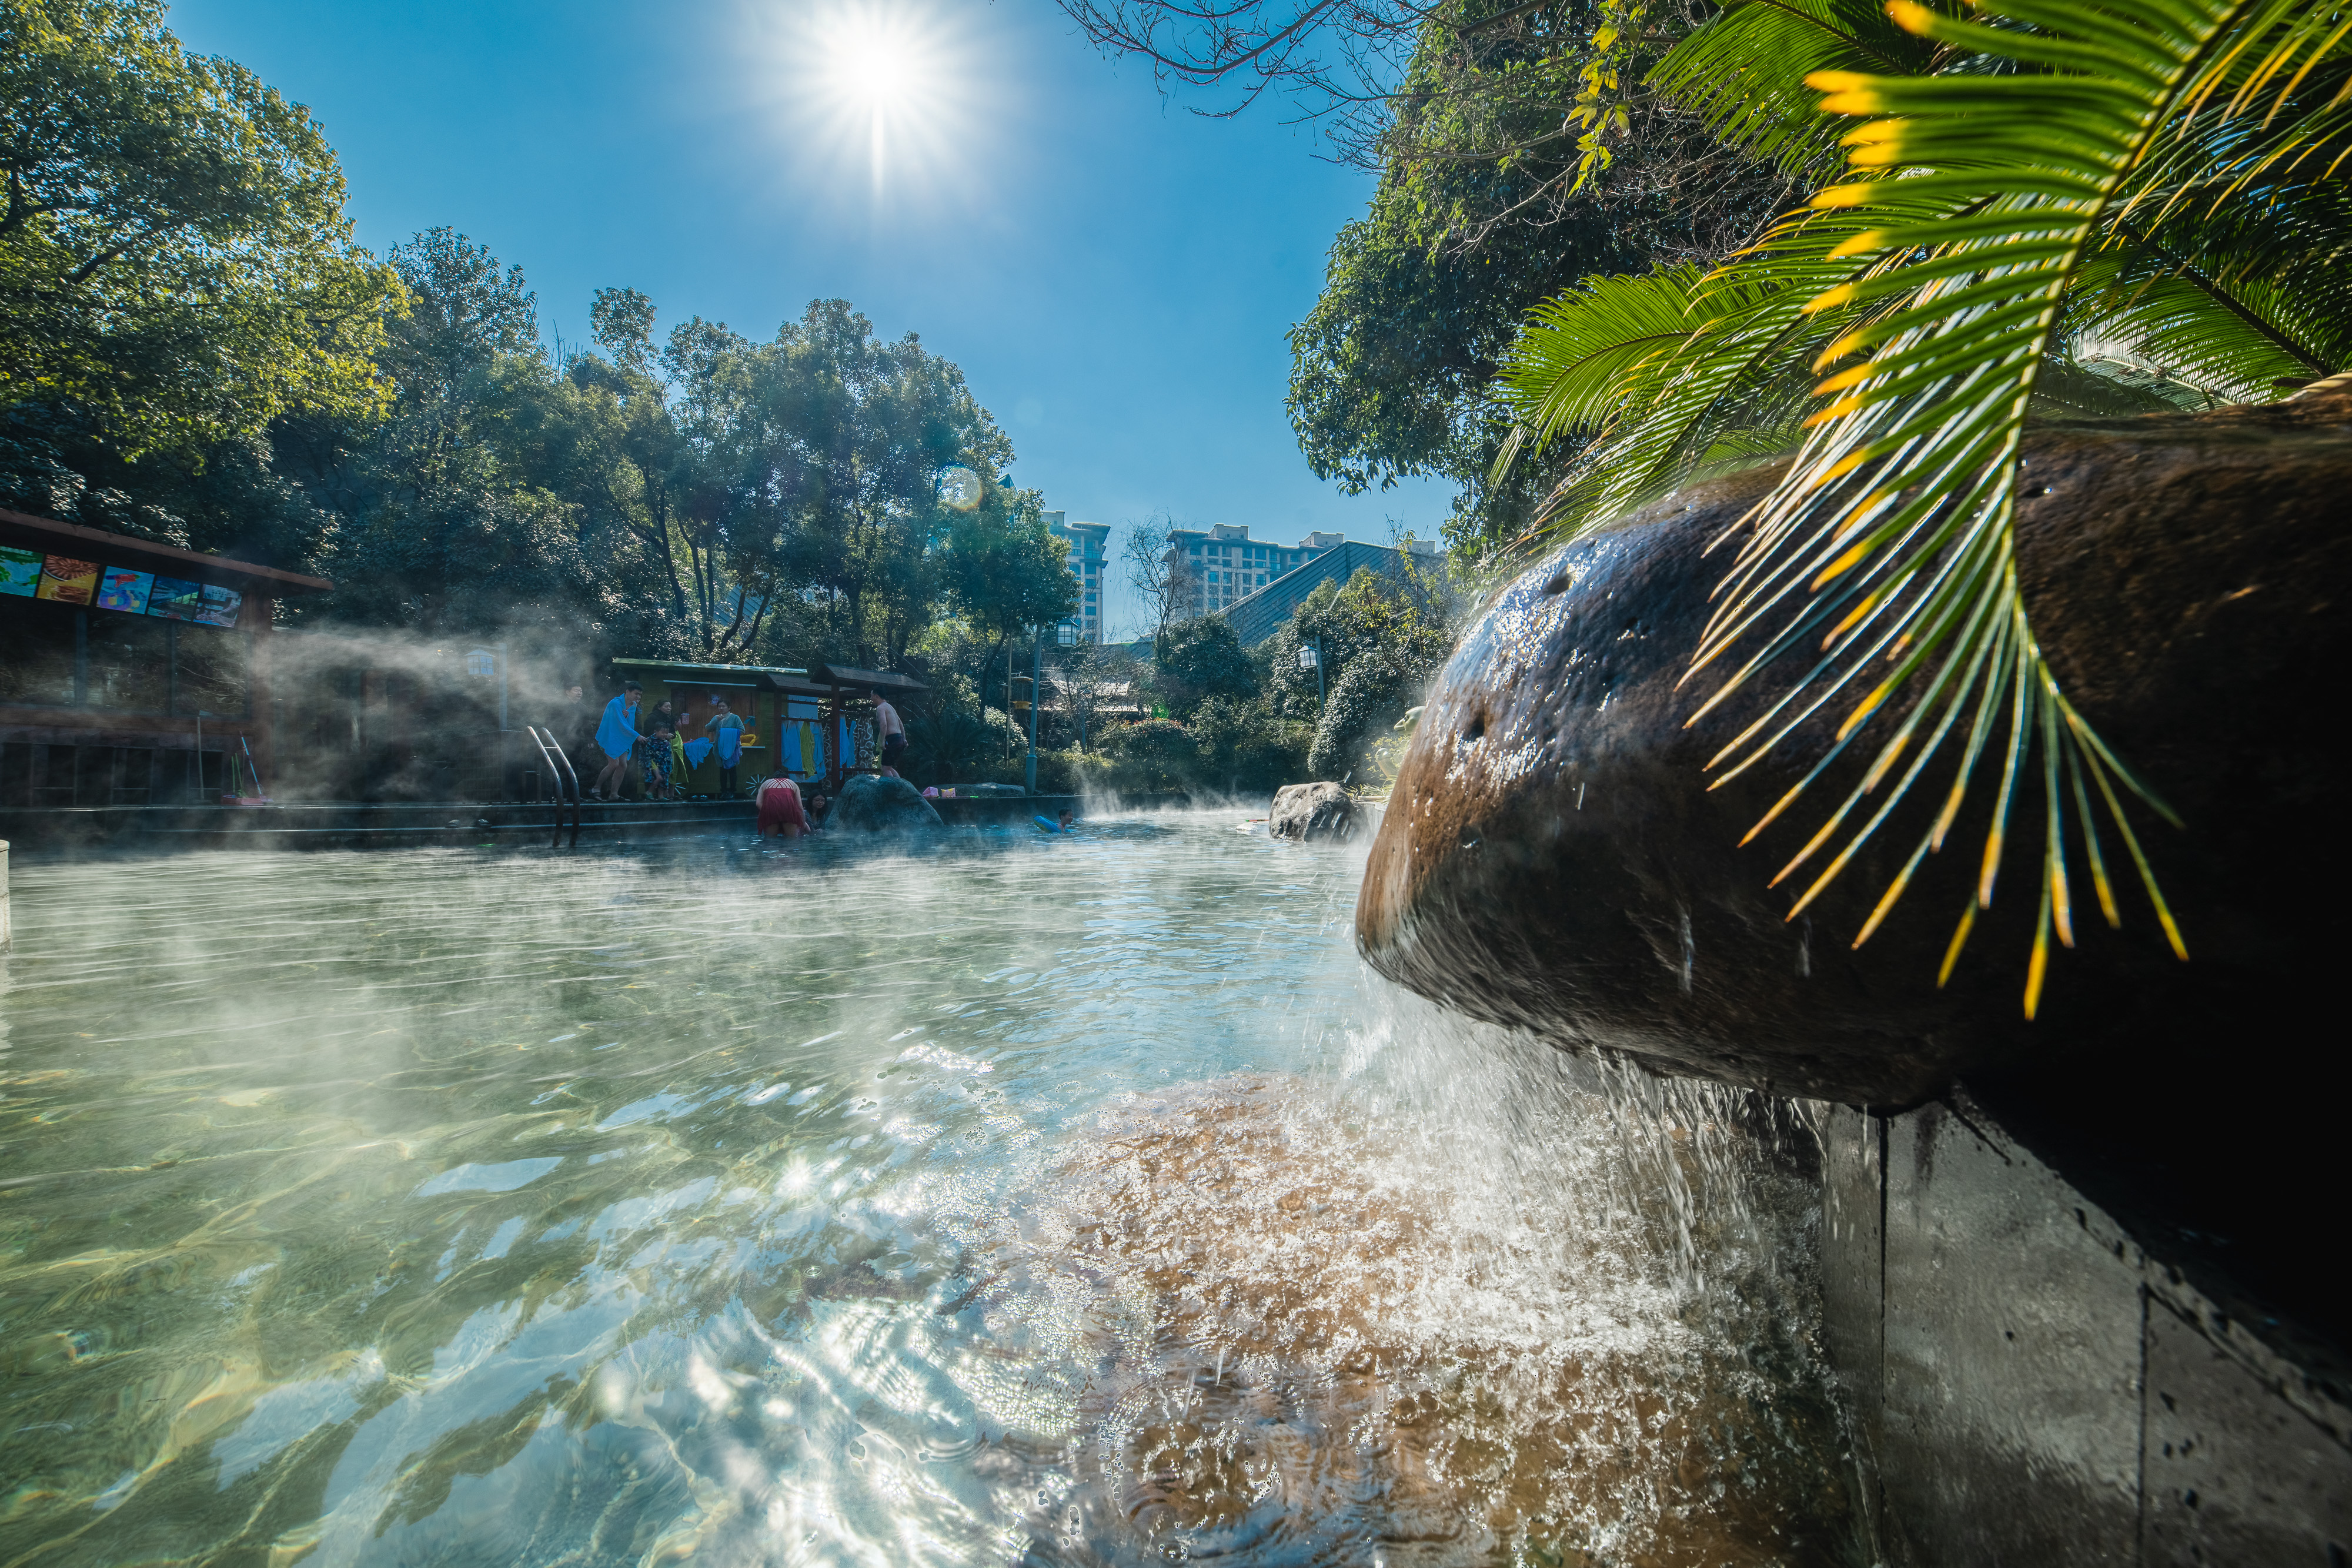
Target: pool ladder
[(560, 774)]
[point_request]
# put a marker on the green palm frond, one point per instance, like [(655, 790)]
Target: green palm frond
[(2159, 174), (1670, 376), (2070, 389), (1744, 73), (2038, 160)]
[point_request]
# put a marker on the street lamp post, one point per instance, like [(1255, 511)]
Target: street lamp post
[(1036, 668), (1310, 657), (1066, 636)]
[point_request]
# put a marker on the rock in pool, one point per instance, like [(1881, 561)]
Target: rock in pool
[(1306, 811), (1552, 857), (872, 804)]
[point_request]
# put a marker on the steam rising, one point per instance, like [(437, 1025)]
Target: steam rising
[(1081, 1201)]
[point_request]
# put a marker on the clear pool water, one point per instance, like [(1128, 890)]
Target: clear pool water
[(1023, 1200)]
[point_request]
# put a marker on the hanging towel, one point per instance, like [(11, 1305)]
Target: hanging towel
[(696, 750), (729, 739), (788, 737)]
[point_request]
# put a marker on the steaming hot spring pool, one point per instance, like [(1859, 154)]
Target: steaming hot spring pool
[(1018, 1201)]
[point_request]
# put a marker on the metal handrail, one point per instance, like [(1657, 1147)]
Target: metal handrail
[(560, 774), (572, 781)]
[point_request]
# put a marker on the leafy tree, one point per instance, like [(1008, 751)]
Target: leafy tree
[(1245, 749), (1154, 754), (463, 314), (854, 433), (622, 321), (2162, 175), (1478, 217), (1505, 179), (175, 266), (1195, 660), (1007, 574), (1379, 646)]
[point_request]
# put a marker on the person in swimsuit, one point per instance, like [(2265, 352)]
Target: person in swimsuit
[(781, 810), (657, 763)]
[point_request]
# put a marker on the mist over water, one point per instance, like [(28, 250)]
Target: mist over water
[(1024, 1201)]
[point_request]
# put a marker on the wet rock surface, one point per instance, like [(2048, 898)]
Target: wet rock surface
[(872, 804), (1304, 811), (1552, 858)]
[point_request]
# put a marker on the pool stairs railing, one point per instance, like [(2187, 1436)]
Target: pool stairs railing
[(559, 773)]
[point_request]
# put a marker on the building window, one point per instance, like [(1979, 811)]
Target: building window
[(130, 665), (211, 672), (36, 653)]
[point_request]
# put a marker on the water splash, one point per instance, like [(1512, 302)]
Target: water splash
[(1081, 1205)]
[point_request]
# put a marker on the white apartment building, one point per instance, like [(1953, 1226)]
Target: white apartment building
[(1225, 564), (1090, 564)]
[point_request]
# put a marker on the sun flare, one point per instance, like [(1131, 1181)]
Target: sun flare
[(880, 69), (888, 89), (869, 68)]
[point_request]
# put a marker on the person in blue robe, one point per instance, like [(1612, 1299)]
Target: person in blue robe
[(616, 737)]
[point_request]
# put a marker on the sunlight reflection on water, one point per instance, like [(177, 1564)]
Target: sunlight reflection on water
[(1032, 1200)]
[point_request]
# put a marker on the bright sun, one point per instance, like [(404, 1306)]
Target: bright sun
[(874, 65), (870, 70), (890, 78)]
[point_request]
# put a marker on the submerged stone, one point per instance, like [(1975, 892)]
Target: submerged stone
[(872, 804), (1304, 811), (1553, 858)]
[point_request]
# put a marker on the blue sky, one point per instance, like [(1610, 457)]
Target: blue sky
[(1115, 274)]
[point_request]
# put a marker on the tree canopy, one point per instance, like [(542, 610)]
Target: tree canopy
[(175, 266), (1489, 202)]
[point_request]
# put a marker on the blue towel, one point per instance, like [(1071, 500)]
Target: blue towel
[(729, 739), (615, 732), (696, 750)]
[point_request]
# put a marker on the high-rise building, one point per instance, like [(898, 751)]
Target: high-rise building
[(1090, 564), (1225, 565)]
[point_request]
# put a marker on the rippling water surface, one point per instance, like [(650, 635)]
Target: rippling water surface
[(1024, 1201)]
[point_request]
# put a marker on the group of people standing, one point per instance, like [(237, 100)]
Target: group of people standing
[(652, 747), (655, 745)]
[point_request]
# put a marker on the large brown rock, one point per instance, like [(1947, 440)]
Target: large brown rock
[(1551, 856)]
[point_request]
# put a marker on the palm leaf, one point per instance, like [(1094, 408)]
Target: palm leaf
[(1743, 73), (2034, 150)]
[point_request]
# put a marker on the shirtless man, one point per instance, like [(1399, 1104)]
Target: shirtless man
[(890, 731)]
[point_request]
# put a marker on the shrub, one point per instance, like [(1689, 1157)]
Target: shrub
[(1197, 660), (1245, 749), (1155, 755), (956, 746), (1370, 695), (1074, 773)]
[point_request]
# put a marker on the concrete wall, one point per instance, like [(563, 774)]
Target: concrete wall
[(2028, 1386)]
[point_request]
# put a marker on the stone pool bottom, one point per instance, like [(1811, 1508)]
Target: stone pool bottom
[(1018, 1201)]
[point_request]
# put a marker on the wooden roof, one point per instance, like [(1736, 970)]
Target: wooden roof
[(47, 535), (850, 676), (688, 673)]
